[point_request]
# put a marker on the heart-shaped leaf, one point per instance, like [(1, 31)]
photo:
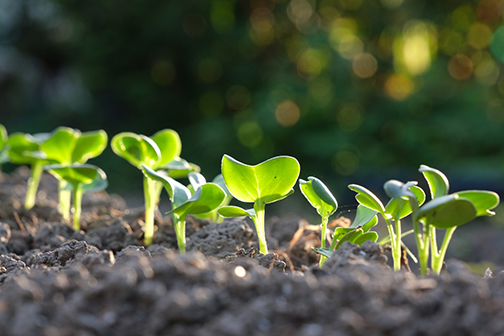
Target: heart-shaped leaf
[(367, 198), (196, 180), (483, 200), (437, 181), (319, 196), (89, 145), (234, 211), (205, 199), (401, 207), (169, 144), (137, 149), (447, 211), (350, 237), (179, 168), (364, 215), (178, 193), (269, 181), (60, 145)]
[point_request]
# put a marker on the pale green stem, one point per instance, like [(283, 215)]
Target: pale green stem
[(393, 244), (422, 241), (433, 242), (397, 252), (259, 207), (64, 199), (77, 206), (180, 231), (438, 259), (323, 239), (150, 207), (33, 182)]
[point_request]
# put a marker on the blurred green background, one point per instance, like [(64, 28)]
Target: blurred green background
[(358, 91)]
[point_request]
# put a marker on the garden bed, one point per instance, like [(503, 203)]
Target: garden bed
[(55, 281)]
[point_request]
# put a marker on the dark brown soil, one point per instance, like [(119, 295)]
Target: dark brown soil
[(55, 281)]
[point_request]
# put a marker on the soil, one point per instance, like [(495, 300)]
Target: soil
[(55, 281)]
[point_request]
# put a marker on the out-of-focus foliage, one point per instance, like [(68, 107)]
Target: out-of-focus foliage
[(343, 85)]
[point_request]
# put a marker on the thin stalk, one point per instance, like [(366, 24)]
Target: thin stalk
[(259, 225), (180, 231), (393, 243), (437, 261), (33, 182), (64, 201), (397, 254), (150, 207), (77, 206), (323, 239), (433, 242)]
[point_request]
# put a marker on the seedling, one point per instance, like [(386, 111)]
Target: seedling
[(357, 233), (403, 198), (67, 146), (447, 212), (25, 149), (267, 182), (196, 180), (319, 196), (154, 152), (80, 179), (206, 198)]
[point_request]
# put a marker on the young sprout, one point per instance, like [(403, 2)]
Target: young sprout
[(4, 157), (196, 180), (399, 206), (67, 146), (319, 196), (81, 179), (25, 149), (155, 153), (206, 198), (357, 233), (267, 182), (447, 212)]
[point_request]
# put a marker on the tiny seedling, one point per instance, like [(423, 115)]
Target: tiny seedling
[(319, 196), (155, 153), (206, 198), (403, 197), (267, 182), (196, 180), (446, 212), (67, 146), (81, 179), (357, 233), (25, 149)]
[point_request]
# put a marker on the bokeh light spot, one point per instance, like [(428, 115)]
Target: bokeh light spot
[(209, 70), (364, 65), (460, 67), (163, 72), (299, 12), (222, 15), (250, 134), (238, 97), (398, 87), (345, 162), (497, 44), (413, 51), (450, 41), (462, 17), (349, 117), (311, 62), (240, 271), (487, 72), (479, 36), (287, 113)]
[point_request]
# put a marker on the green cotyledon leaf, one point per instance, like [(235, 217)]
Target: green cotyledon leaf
[(169, 144), (437, 181), (269, 181), (319, 196), (137, 149)]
